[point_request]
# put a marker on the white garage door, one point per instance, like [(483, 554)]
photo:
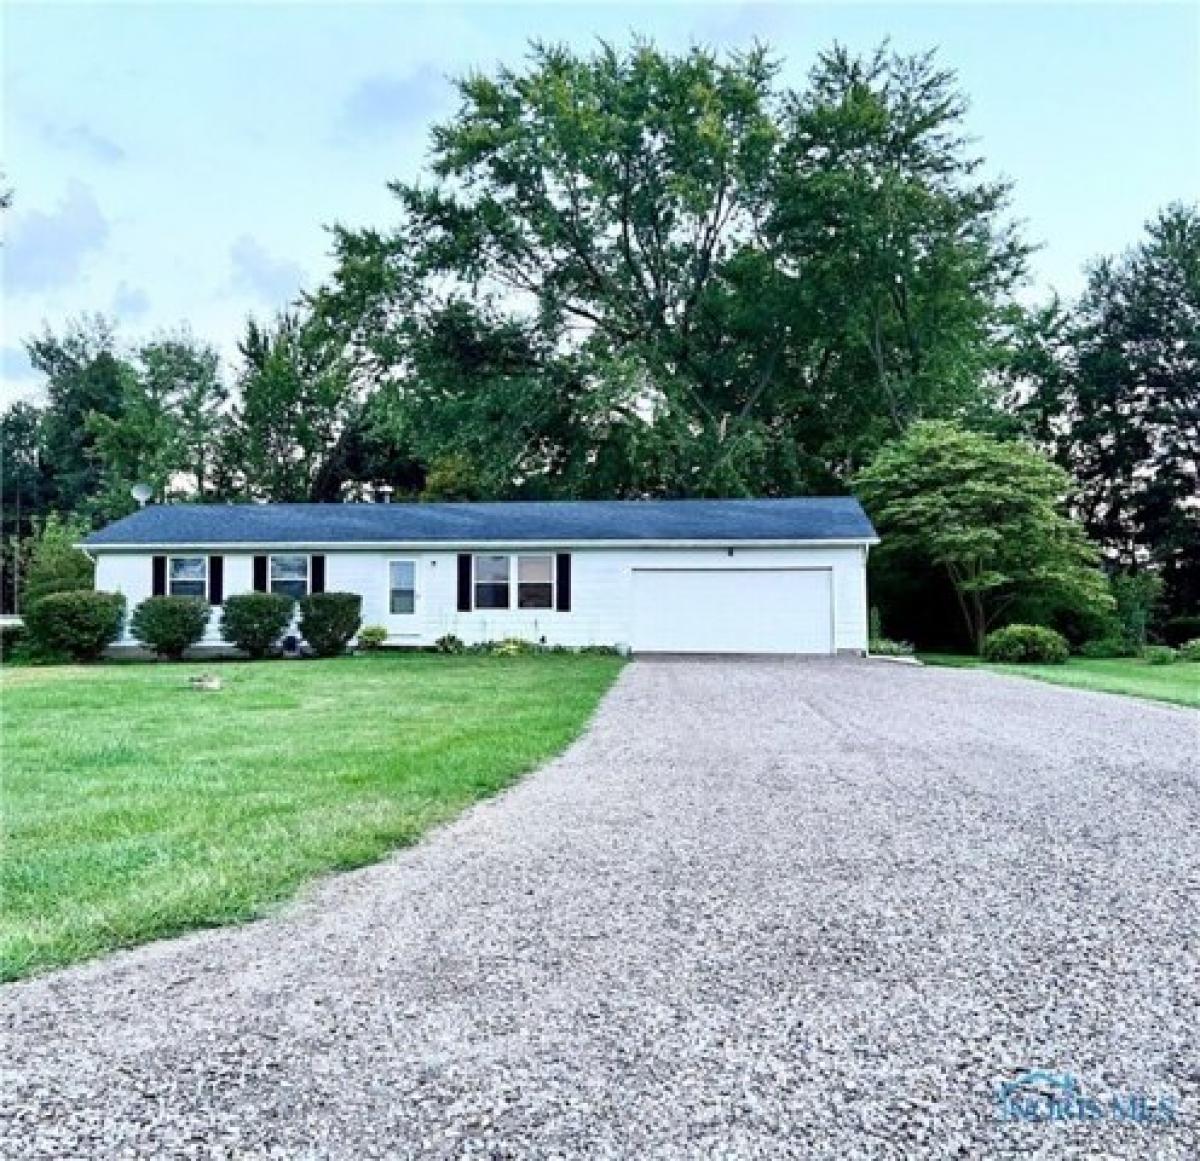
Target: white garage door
[(732, 611)]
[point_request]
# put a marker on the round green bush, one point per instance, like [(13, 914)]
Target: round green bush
[(1190, 650), (254, 622), (1026, 643), (449, 643), (329, 620), (170, 625), (79, 625), (372, 637), (1159, 655)]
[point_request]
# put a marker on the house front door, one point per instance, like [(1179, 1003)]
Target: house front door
[(402, 599)]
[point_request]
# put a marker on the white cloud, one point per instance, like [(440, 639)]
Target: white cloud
[(46, 250)]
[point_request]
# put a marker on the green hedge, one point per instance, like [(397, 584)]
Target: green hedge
[(78, 625), (1026, 643), (329, 620), (170, 625), (254, 622)]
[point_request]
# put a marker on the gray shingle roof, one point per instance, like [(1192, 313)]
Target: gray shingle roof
[(516, 522)]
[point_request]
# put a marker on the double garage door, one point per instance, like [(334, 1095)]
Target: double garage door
[(732, 610)]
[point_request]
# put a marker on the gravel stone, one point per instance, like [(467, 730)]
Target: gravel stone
[(761, 909)]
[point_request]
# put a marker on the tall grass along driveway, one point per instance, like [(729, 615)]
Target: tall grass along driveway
[(135, 807)]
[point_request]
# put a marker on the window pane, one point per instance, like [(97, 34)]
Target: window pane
[(535, 569), (491, 596), (403, 576), (289, 568), (535, 575), (491, 570), (187, 576), (535, 596), (187, 568), (290, 588)]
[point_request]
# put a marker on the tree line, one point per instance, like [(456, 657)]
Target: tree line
[(638, 274)]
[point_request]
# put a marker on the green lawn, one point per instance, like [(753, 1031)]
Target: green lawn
[(136, 808), (1178, 683)]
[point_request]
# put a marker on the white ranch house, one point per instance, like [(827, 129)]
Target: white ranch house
[(671, 576)]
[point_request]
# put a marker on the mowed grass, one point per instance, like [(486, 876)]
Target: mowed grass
[(1178, 683), (136, 808)]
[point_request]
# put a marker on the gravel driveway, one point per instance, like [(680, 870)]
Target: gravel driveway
[(762, 909)]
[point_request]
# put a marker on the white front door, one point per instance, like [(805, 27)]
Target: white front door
[(733, 610), (402, 599)]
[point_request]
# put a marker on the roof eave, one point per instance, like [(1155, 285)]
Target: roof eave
[(471, 545)]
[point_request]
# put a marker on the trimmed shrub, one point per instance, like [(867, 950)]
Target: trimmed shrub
[(1106, 647), (1190, 650), (372, 638), (254, 622), (1180, 630), (170, 625), (329, 620), (1026, 643), (449, 644), (1159, 655), (79, 625)]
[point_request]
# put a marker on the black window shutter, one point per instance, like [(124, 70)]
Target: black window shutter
[(316, 574), (260, 574), (563, 587), (464, 582), (158, 577), (216, 580)]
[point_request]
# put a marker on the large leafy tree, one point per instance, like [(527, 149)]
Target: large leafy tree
[(294, 401), (169, 429), (990, 514), (187, 374), (86, 376), (1112, 387), (726, 288)]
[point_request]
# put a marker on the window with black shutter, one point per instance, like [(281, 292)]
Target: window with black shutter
[(216, 580), (464, 582), (562, 590)]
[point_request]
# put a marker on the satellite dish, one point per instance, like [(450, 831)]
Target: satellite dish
[(141, 493)]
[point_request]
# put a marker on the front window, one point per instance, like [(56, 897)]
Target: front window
[(535, 582), (289, 576), (491, 582), (402, 582), (188, 576)]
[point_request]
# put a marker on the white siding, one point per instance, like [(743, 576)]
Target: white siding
[(601, 586)]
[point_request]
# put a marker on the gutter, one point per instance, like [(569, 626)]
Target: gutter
[(458, 545)]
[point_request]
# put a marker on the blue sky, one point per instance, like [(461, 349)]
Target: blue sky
[(177, 163)]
